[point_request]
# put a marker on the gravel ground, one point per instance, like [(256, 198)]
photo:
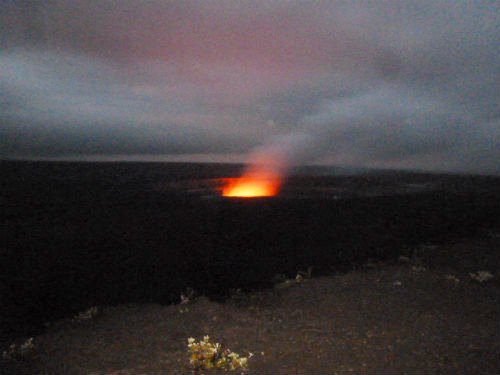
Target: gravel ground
[(414, 316)]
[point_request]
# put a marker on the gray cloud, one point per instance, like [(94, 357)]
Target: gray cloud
[(373, 83)]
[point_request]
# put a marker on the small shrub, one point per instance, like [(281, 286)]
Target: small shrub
[(452, 278), (25, 351), (86, 315), (481, 276), (188, 296), (207, 356), (301, 275), (281, 282)]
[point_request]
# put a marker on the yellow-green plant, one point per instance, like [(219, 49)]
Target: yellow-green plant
[(204, 355)]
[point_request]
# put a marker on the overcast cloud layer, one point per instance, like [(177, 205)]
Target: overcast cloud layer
[(411, 84)]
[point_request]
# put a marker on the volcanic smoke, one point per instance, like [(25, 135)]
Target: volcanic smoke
[(267, 167)]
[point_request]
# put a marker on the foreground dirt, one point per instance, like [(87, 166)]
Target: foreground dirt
[(424, 315)]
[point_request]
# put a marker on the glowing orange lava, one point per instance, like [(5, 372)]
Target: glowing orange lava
[(250, 186)]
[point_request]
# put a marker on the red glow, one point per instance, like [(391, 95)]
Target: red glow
[(251, 186)]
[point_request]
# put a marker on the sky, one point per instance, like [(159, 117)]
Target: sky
[(386, 84)]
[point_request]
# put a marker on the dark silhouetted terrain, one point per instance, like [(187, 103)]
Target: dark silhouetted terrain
[(82, 234)]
